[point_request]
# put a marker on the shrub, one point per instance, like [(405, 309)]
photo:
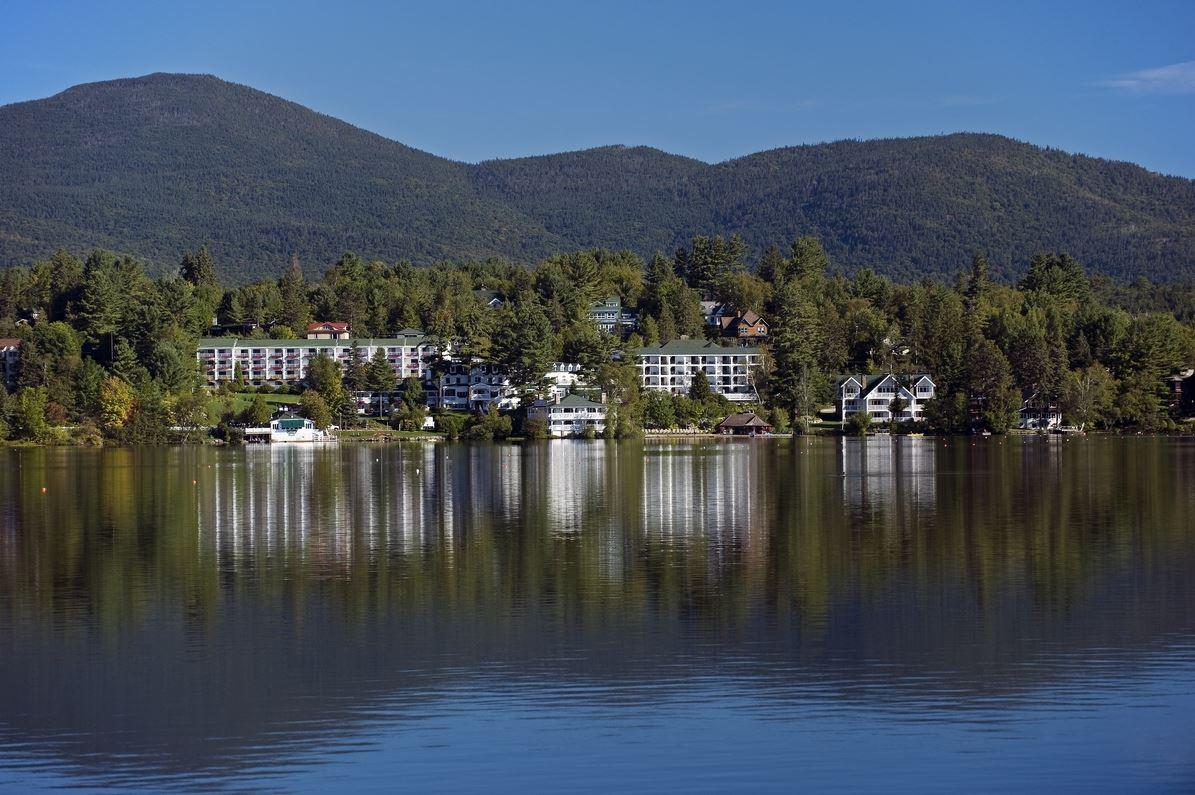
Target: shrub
[(859, 422)]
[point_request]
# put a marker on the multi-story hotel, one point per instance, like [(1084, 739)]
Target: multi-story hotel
[(671, 367), (285, 361)]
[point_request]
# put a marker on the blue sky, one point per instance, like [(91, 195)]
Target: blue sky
[(478, 80)]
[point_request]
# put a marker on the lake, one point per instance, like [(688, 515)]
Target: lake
[(909, 614)]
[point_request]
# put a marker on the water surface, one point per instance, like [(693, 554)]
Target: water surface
[(905, 614)]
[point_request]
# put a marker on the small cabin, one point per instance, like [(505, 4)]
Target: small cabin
[(746, 423)]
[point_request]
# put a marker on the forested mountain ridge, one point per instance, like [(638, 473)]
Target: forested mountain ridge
[(161, 164)]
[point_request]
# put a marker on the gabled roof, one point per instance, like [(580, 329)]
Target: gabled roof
[(489, 296), (692, 348), (327, 325), (577, 402), (751, 318), (9, 342), (744, 419), (868, 383), (570, 401), (415, 339)]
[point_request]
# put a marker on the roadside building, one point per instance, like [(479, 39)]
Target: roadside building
[(328, 330), (278, 362), (671, 367), (569, 416), (745, 423), (875, 393), (10, 360)]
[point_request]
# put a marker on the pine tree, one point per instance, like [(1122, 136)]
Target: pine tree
[(808, 258), (380, 376), (125, 365), (198, 268), (797, 340), (296, 308), (354, 370)]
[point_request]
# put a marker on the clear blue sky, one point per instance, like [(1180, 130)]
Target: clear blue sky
[(478, 80)]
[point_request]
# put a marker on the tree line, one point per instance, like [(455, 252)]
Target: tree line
[(109, 351)]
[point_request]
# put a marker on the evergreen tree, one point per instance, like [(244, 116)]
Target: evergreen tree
[(313, 406), (295, 312), (808, 258), (354, 370), (380, 376), (699, 387), (198, 268), (796, 341), (125, 364)]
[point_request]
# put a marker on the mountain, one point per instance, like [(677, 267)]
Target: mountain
[(159, 164)]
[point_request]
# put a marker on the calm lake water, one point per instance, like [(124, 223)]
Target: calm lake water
[(912, 614)]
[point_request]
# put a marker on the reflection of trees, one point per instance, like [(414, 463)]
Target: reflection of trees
[(703, 529), (230, 585)]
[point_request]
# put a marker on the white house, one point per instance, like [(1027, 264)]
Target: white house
[(288, 428), (285, 361), (671, 367), (561, 379), (1038, 414), (10, 357), (875, 393), (477, 387), (569, 416)]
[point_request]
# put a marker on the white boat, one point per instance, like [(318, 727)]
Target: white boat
[(288, 428)]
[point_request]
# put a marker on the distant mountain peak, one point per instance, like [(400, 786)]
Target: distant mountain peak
[(161, 163)]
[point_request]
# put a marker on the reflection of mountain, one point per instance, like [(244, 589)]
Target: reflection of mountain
[(287, 592)]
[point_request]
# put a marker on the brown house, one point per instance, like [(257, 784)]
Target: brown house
[(745, 423), (328, 330), (747, 326)]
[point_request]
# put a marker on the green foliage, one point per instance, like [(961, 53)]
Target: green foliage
[(27, 414), (859, 423), (259, 413), (116, 402), (452, 425), (323, 376), (313, 406), (306, 182)]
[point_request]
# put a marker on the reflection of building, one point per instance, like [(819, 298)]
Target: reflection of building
[(887, 472), (671, 367), (699, 491)]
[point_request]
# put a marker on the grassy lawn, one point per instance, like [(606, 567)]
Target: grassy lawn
[(239, 401)]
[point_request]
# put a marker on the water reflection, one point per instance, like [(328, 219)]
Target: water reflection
[(166, 613)]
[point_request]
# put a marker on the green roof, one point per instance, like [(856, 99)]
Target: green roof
[(239, 342), (693, 348), (576, 402)]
